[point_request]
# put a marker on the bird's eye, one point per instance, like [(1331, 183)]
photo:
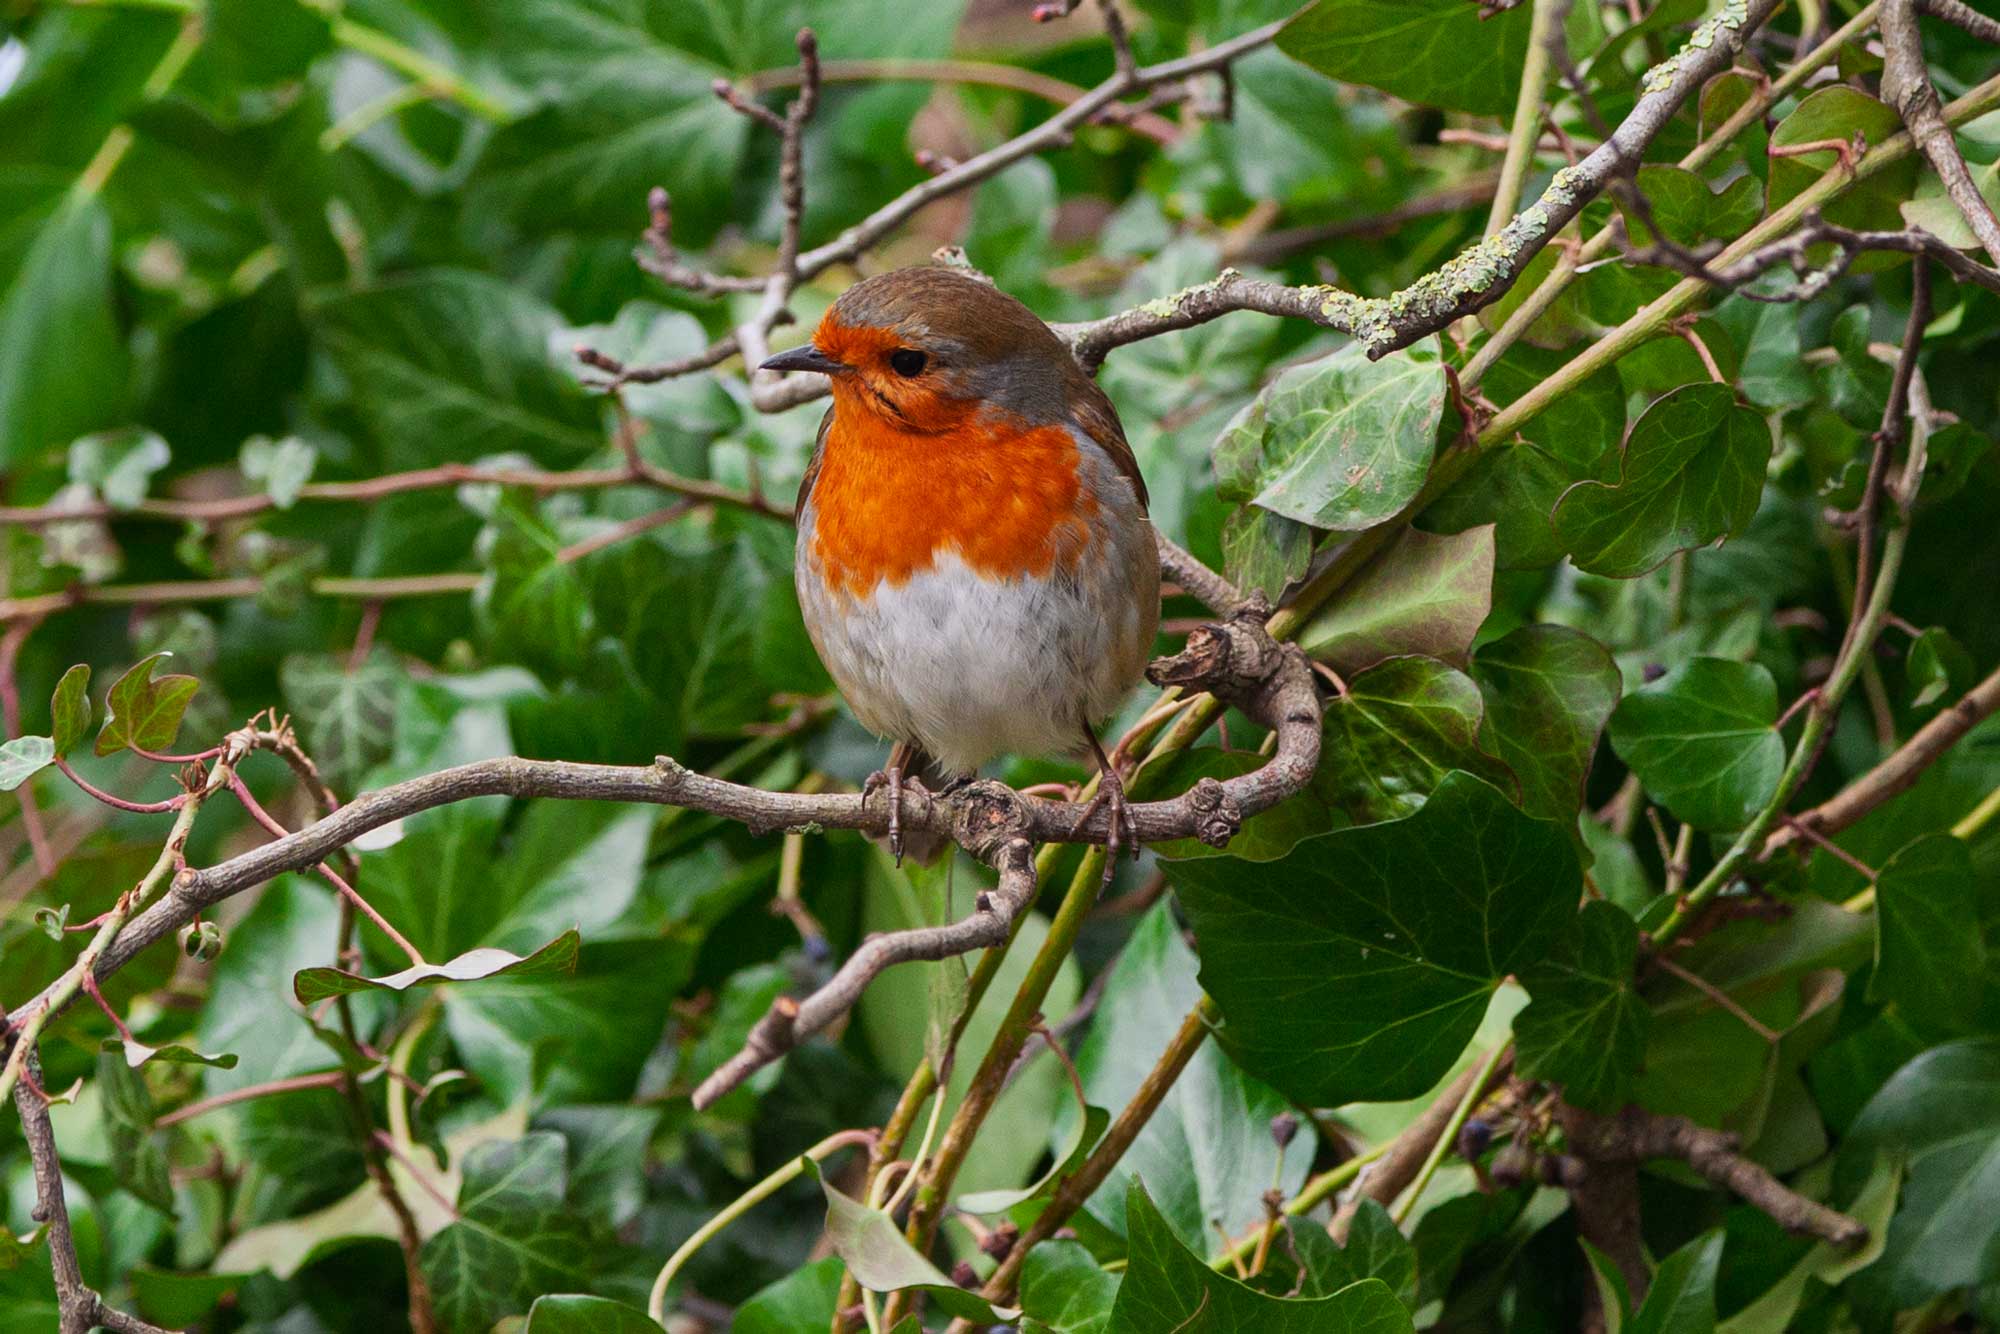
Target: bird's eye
[(907, 361)]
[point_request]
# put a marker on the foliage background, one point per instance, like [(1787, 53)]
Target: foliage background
[(245, 245)]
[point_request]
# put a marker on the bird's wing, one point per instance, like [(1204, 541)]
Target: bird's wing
[(1099, 420), (812, 465)]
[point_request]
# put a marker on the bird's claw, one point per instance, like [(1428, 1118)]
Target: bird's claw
[(1120, 835), (893, 779)]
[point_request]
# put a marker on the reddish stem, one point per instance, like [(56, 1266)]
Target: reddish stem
[(347, 891), (118, 803)]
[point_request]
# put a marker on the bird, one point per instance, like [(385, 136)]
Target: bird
[(975, 563)]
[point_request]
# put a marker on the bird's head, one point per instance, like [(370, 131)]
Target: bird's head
[(926, 350)]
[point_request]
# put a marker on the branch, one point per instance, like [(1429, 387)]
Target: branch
[(1235, 660), (1965, 16), (1906, 85), (1898, 773), (636, 473), (1635, 1135), (82, 1310), (1405, 1158)]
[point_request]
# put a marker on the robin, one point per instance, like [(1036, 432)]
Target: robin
[(975, 564)]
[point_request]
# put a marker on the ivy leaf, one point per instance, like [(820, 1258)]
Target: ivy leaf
[(1357, 967), (59, 296), (69, 708), (1341, 443), (567, 1314), (1703, 740), (138, 1053), (1427, 594), (118, 465), (872, 1244), (513, 1239), (346, 710), (1376, 1248), (1212, 1133), (803, 1299), (1839, 112), (283, 466), (1585, 1027), (1083, 1138), (1391, 739), (1938, 665), (1691, 474), (1826, 1263), (137, 1159), (1436, 53), (558, 956), (1930, 954), (1168, 1287), (144, 712), (1548, 691), (1687, 210), (1682, 1297), (23, 758), (1065, 1290)]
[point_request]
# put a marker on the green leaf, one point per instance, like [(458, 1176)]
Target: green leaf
[(60, 298), (118, 465), (283, 466), (591, 1315), (1083, 1138), (1212, 1133), (1392, 738), (69, 708), (1168, 1287), (1687, 210), (513, 1240), (1341, 443), (1703, 741), (138, 1053), (1840, 112), (137, 1158), (1064, 1289), (1426, 594), (23, 758), (1548, 692), (872, 1244), (432, 395), (1436, 53), (1692, 470), (803, 1299), (1942, 1110), (1358, 967), (345, 710), (1930, 954), (143, 712), (1682, 1297), (558, 956), (1933, 210), (1376, 1248), (1585, 1027), (1939, 665)]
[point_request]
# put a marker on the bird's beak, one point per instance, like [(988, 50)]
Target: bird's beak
[(804, 357)]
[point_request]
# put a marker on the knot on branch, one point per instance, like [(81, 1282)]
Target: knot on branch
[(1217, 816), (1233, 660), (985, 816)]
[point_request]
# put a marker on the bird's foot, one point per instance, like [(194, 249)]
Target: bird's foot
[(1121, 836), (893, 779)]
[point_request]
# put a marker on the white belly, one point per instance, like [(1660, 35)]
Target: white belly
[(970, 668)]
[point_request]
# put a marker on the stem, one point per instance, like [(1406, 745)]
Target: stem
[(434, 74), (1311, 1194), (1536, 70), (656, 1304), (1978, 817), (1448, 1137), (65, 988), (1650, 320), (324, 1080)]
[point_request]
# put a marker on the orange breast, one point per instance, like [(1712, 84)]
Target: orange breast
[(1005, 496)]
